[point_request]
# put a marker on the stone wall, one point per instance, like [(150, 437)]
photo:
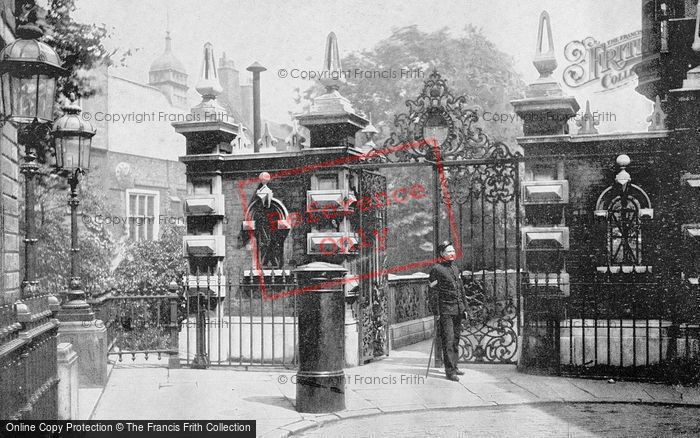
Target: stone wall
[(9, 186), (116, 172), (9, 216)]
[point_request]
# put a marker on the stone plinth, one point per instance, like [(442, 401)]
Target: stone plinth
[(68, 382), (89, 339), (615, 342)]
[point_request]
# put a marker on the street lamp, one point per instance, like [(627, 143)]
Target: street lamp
[(28, 73), (72, 139)]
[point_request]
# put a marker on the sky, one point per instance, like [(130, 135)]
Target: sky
[(291, 34)]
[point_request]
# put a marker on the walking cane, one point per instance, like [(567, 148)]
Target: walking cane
[(432, 346), (436, 320)]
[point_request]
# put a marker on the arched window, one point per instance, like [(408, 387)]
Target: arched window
[(623, 206)]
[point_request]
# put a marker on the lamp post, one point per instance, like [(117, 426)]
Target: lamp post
[(72, 140), (28, 73)]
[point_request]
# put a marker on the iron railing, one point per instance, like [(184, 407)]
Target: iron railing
[(619, 322), (242, 327), (28, 367), (140, 323)]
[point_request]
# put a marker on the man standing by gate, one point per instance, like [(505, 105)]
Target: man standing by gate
[(447, 301)]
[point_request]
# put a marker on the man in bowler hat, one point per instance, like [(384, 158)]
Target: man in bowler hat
[(448, 302)]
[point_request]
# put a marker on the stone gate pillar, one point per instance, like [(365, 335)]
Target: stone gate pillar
[(209, 131), (545, 112), (333, 124)]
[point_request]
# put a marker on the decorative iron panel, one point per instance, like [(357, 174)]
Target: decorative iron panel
[(485, 199), (374, 322)]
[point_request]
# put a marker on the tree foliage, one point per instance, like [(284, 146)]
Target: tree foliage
[(81, 47), (473, 67), (96, 242), (149, 265)]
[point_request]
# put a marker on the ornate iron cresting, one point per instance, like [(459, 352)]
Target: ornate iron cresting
[(437, 114)]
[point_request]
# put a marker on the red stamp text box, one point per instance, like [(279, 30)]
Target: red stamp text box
[(344, 161)]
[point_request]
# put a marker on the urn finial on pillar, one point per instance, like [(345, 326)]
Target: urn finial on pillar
[(208, 84), (545, 110), (331, 119), (209, 88), (210, 129), (332, 69), (545, 62)]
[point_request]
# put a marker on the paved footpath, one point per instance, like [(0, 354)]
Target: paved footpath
[(388, 392), (528, 420)]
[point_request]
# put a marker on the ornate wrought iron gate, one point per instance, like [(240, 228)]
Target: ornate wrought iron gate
[(476, 205), (485, 199)]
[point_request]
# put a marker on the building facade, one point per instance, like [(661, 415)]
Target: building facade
[(609, 238), (135, 156)]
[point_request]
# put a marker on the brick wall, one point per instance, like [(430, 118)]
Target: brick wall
[(291, 191)]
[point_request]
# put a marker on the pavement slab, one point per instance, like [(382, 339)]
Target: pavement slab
[(388, 387), (534, 420), (603, 390), (662, 393), (87, 400)]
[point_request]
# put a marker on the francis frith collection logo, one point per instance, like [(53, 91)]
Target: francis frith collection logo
[(608, 64)]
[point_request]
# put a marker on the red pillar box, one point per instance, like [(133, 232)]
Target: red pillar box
[(320, 383)]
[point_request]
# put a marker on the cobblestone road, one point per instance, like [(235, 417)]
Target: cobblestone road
[(534, 420)]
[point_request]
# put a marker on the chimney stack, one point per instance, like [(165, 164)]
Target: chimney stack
[(256, 68)]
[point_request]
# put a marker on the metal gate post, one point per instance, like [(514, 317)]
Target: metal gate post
[(201, 359), (174, 358)]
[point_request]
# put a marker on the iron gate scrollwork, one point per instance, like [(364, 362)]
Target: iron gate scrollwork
[(485, 199), (483, 190), (374, 282)]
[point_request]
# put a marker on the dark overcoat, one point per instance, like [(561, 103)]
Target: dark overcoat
[(447, 295)]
